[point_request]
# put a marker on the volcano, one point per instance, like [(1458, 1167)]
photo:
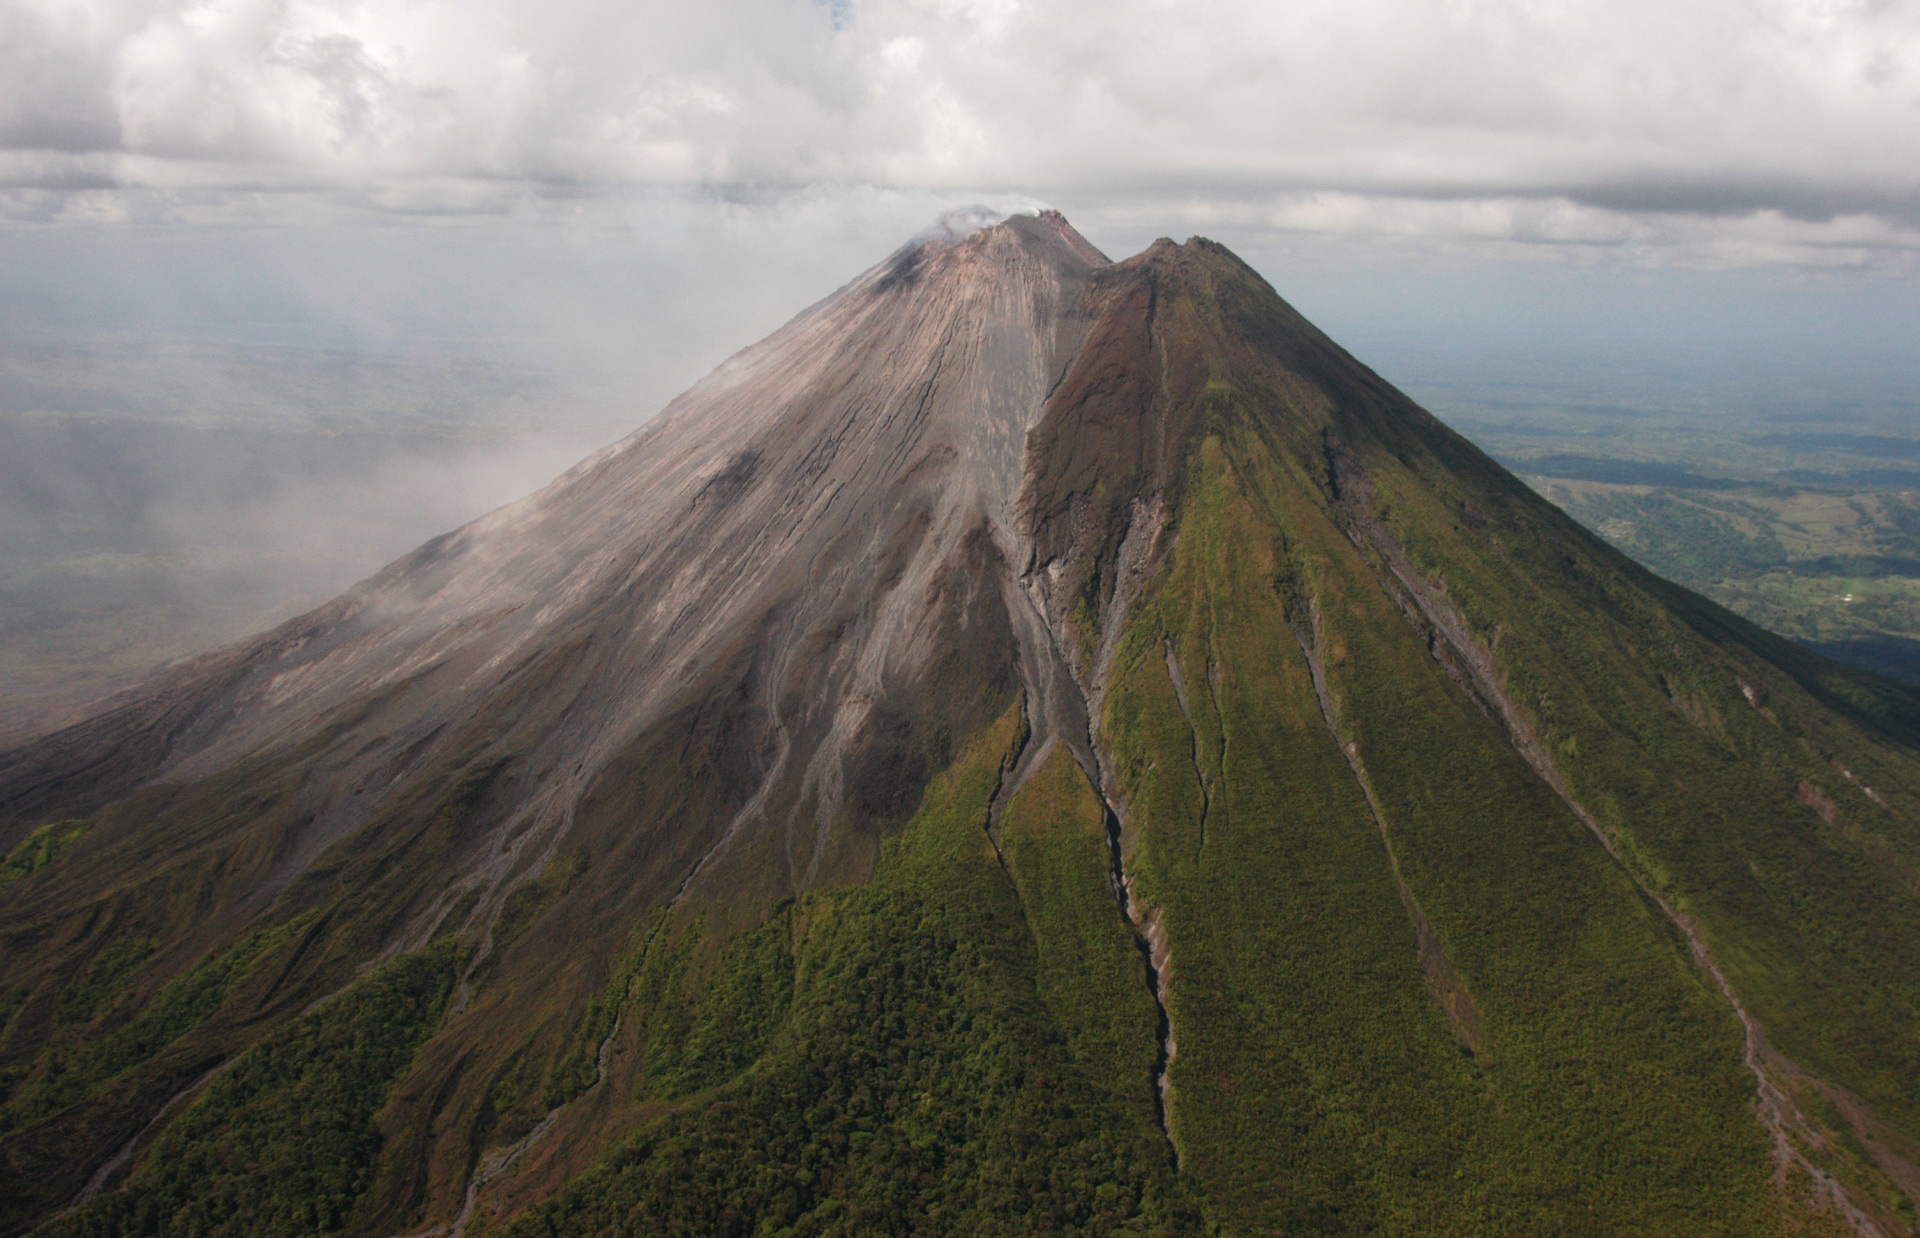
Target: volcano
[(1036, 745)]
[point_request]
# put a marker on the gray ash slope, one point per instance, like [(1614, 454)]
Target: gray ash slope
[(795, 509)]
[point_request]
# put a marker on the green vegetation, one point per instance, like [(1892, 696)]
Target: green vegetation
[(918, 1081), (79, 1091), (283, 1142), (735, 1016), (698, 1030), (40, 848), (1692, 752), (1593, 1085), (116, 964), (1702, 745), (1088, 963), (69, 1073)]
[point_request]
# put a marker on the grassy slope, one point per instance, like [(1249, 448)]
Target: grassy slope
[(82, 1078), (1645, 693), (284, 1141), (1689, 733), (1319, 1086), (1087, 966), (179, 866), (1607, 1096), (927, 1076), (1638, 689)]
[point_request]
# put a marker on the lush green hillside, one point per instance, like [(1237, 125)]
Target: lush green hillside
[(928, 1073), (283, 1140)]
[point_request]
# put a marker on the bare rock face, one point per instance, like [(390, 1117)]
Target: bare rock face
[(1036, 744)]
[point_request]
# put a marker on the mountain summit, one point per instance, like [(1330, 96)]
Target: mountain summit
[(1037, 744)]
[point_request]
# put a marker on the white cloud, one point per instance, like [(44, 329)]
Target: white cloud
[(1532, 121)]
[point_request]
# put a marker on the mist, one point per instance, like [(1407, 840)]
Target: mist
[(156, 501)]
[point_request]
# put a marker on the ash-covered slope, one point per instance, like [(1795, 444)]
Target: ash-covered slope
[(857, 448), (1037, 744)]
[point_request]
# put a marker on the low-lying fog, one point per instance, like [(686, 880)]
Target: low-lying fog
[(158, 499)]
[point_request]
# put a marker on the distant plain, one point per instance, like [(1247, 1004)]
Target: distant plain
[(1790, 497)]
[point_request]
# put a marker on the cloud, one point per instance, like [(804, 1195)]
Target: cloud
[(1599, 114), (1575, 231), (54, 89)]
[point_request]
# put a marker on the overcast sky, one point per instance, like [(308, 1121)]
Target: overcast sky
[(653, 184)]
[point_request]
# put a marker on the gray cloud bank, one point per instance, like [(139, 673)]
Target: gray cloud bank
[(1743, 131)]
